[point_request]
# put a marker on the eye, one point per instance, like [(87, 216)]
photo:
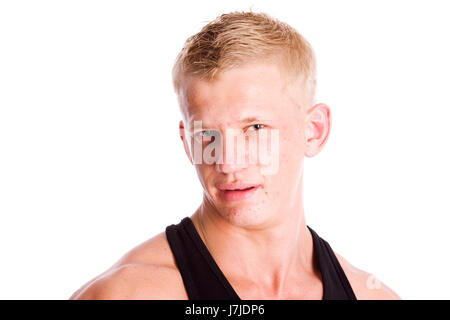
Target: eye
[(256, 127), (205, 133)]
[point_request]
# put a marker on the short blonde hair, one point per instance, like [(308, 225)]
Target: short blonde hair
[(235, 38)]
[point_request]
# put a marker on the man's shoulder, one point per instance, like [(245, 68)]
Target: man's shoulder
[(134, 281), (364, 284), (148, 271)]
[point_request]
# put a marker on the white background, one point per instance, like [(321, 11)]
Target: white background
[(91, 163)]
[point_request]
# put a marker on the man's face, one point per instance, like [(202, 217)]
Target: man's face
[(255, 91)]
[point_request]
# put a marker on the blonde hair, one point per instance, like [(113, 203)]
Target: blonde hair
[(236, 38)]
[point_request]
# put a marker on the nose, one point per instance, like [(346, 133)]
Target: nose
[(234, 153)]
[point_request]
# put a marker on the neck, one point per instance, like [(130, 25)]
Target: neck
[(271, 256)]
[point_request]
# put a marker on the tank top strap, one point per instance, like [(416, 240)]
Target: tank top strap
[(201, 276), (335, 283)]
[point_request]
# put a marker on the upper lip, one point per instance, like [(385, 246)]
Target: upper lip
[(236, 186)]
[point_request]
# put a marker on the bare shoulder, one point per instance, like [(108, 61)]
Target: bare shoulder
[(148, 271), (364, 284), (133, 281)]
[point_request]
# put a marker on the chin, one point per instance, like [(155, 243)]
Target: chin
[(244, 216)]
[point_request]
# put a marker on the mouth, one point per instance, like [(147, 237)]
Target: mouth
[(239, 189), (238, 193)]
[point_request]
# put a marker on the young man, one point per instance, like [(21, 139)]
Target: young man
[(243, 74)]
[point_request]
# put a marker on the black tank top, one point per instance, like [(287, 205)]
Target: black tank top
[(204, 280)]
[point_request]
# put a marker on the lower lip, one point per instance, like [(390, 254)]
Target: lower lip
[(236, 195)]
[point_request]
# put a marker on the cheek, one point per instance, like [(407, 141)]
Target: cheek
[(204, 173), (291, 161), (207, 174), (292, 148)]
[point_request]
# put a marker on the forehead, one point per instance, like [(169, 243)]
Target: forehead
[(253, 90)]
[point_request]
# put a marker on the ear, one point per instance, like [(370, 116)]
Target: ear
[(318, 125), (185, 138)]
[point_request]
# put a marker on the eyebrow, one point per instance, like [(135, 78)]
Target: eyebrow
[(250, 119), (241, 121)]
